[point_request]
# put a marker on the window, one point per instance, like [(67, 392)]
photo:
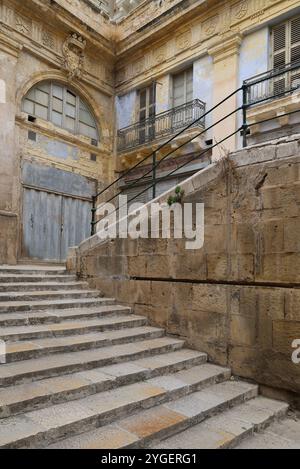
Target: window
[(147, 109), (61, 106), (286, 50), (183, 87)]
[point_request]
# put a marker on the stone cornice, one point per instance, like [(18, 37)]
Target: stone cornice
[(9, 45)]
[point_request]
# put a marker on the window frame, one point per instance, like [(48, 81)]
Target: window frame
[(185, 83), (80, 105), (288, 40)]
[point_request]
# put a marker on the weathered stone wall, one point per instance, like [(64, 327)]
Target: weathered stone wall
[(237, 298), (35, 46)]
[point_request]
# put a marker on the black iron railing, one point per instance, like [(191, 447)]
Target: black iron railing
[(273, 84), (161, 125), (255, 90)]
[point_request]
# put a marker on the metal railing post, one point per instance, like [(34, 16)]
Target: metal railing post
[(93, 210), (154, 175), (244, 108)]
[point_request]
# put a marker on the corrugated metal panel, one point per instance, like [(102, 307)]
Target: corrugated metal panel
[(76, 215), (52, 223), (57, 180), (41, 224)]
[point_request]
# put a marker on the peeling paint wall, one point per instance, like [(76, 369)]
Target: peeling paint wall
[(125, 109), (55, 148), (253, 60), (163, 93), (203, 84)]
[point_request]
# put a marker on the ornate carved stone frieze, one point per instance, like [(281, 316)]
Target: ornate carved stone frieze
[(73, 55)]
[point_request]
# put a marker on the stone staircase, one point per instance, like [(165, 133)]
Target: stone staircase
[(84, 372)]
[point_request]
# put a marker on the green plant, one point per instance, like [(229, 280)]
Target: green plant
[(173, 199)]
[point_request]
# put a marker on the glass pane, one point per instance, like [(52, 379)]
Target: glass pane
[(57, 118), (58, 91), (41, 97), (143, 96), (41, 111), (31, 95), (86, 118), (70, 111), (28, 106), (70, 123), (57, 105), (44, 87), (71, 98), (142, 115), (88, 131), (152, 93)]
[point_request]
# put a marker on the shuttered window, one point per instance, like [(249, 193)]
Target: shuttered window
[(183, 87), (61, 106), (286, 50)]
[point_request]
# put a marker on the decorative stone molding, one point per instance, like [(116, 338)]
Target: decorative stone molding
[(9, 45), (223, 50), (73, 53)]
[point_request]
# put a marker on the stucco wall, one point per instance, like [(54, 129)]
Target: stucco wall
[(254, 58), (203, 85), (237, 298), (125, 109)]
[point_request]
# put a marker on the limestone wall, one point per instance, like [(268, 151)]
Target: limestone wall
[(36, 45), (237, 298)]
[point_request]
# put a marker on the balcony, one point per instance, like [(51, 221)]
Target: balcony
[(162, 125), (273, 84), (274, 95)]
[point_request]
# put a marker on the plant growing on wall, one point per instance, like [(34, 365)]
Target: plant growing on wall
[(177, 198)]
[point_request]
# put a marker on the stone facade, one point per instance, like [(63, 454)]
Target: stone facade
[(35, 47), (237, 298), (126, 46)]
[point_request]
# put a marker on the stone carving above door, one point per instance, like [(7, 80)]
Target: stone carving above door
[(73, 55)]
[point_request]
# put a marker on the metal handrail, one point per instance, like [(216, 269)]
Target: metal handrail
[(246, 104)]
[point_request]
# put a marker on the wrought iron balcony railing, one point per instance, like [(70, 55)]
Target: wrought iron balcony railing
[(161, 125), (273, 84)]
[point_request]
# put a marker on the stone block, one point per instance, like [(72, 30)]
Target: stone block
[(284, 333), (210, 298), (217, 267), (281, 267), (272, 236), (292, 304), (292, 235), (242, 330), (284, 150)]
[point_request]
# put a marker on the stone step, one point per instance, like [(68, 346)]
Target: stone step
[(70, 328), (14, 306), (41, 286), (24, 350), (171, 414), (57, 315), (33, 269), (46, 426), (280, 435), (17, 297), (40, 394), (31, 278), (227, 429), (64, 363)]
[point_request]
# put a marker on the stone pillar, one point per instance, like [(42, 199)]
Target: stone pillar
[(9, 172), (225, 80)]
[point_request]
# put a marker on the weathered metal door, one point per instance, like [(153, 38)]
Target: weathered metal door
[(52, 223)]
